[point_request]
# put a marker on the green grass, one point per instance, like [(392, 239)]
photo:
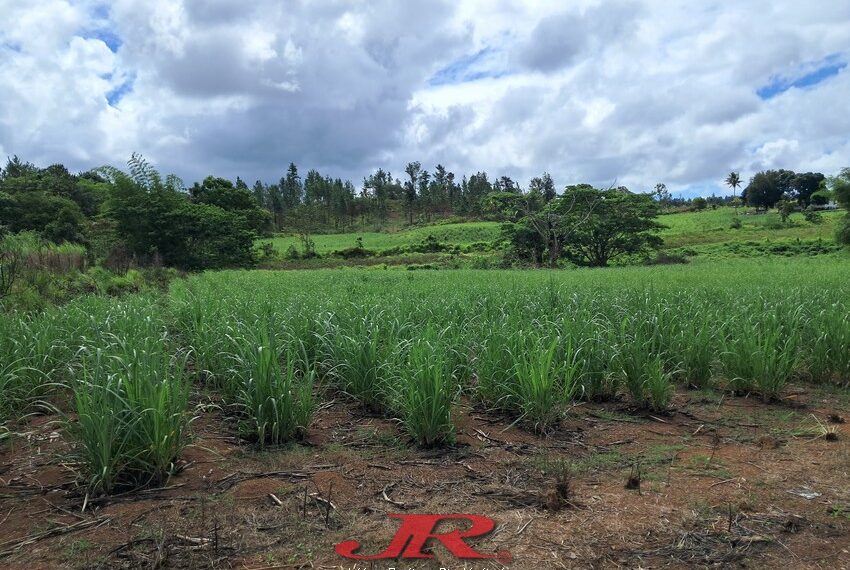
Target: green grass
[(454, 234), (408, 344), (707, 233), (714, 226)]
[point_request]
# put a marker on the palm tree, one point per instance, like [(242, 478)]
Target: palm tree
[(733, 181)]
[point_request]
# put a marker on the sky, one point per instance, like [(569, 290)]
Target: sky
[(620, 92)]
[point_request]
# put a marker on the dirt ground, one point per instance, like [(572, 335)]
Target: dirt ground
[(721, 482)]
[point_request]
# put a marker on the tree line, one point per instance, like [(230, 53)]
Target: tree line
[(141, 215)]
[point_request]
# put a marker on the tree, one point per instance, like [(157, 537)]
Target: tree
[(50, 201), (821, 198), (155, 217), (606, 225), (425, 199), (304, 220), (275, 202), (767, 188), (785, 208), (12, 261), (55, 218), (544, 186), (377, 186), (733, 181), (511, 206), (238, 199), (804, 185), (317, 189), (840, 186), (505, 184), (662, 194), (477, 187), (291, 189), (413, 171), (549, 228), (260, 194), (700, 203)]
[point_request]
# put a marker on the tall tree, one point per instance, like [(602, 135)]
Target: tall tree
[(260, 195), (544, 186), (767, 188), (413, 171), (292, 190), (662, 194), (477, 187), (378, 187), (804, 185), (840, 186), (733, 181), (505, 184)]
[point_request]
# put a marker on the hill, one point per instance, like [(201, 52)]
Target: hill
[(703, 234)]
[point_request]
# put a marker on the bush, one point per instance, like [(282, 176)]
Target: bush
[(667, 259), (478, 246), (812, 216), (481, 262), (419, 266), (358, 251), (429, 245), (821, 198), (736, 223)]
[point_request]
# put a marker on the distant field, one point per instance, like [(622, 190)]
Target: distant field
[(714, 226), (456, 234), (690, 229)]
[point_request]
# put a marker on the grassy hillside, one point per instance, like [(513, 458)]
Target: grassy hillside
[(705, 234), (455, 234), (715, 226)]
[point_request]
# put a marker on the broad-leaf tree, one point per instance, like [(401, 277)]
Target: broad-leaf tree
[(768, 187), (602, 226), (840, 186)]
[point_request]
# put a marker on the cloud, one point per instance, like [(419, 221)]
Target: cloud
[(558, 40), (634, 91)]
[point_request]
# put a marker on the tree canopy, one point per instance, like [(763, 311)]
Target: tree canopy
[(768, 187), (587, 226)]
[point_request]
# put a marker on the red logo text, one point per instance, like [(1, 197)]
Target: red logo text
[(415, 530)]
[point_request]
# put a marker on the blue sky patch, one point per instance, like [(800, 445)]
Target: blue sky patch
[(110, 38), (822, 70), (115, 96), (482, 64)]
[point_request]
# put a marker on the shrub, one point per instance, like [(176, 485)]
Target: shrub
[(812, 216), (667, 259)]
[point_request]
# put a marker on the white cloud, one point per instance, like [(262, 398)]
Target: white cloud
[(634, 91)]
